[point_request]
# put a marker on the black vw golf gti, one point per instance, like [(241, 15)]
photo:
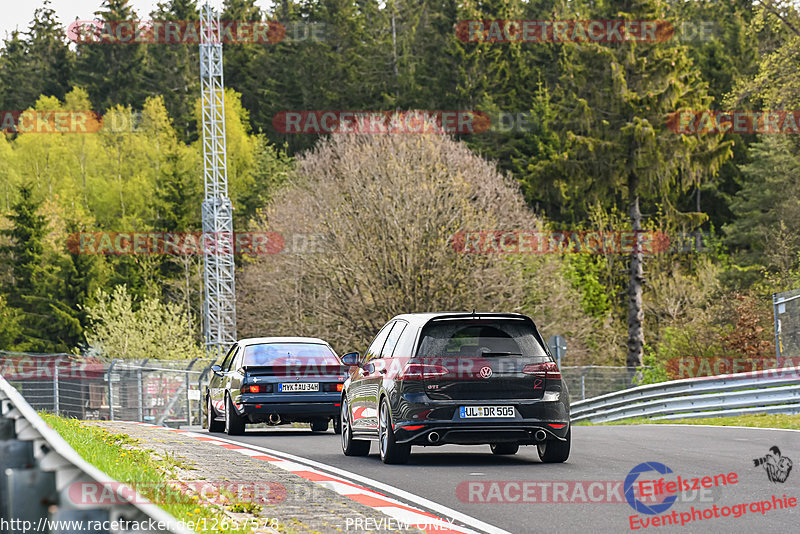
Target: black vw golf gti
[(457, 378)]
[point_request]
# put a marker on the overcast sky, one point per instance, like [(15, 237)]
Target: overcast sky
[(19, 13)]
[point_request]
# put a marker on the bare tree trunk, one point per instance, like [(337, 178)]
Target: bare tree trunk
[(635, 308)]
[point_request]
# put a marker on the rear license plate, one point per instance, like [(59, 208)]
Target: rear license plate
[(487, 411), (300, 386)]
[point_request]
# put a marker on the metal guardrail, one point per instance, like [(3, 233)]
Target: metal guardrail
[(164, 392), (768, 391), (43, 479)]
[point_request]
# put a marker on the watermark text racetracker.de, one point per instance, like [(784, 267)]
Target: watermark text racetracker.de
[(195, 243), (765, 366), (190, 32), (737, 122), (583, 31), (201, 524), (559, 242), (564, 492)]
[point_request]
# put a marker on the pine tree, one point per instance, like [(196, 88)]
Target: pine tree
[(113, 73), (619, 149), (25, 253), (49, 57), (17, 91), (173, 69)]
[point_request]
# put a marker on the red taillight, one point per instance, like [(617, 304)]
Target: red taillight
[(339, 387), (413, 427), (554, 425), (253, 389), (544, 370), (420, 371)]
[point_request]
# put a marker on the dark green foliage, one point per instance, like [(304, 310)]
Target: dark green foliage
[(113, 73)]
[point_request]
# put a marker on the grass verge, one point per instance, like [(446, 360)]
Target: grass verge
[(759, 420), (123, 459)]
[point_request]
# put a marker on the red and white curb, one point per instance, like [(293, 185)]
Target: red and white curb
[(303, 468)]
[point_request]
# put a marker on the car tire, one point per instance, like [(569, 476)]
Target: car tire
[(234, 423), (505, 448), (350, 446), (391, 451), (555, 451), (211, 420), (319, 425), (337, 424)]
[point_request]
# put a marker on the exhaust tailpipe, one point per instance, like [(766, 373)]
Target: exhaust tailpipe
[(433, 437), (274, 419), (540, 435)]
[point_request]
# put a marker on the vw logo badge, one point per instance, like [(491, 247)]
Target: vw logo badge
[(486, 372)]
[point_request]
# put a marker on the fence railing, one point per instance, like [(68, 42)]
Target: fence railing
[(163, 392), (40, 474), (769, 391), (592, 380)]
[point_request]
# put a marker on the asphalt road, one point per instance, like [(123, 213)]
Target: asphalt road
[(602, 453)]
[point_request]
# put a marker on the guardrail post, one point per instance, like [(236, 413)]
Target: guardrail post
[(189, 402), (140, 394), (777, 322), (56, 405), (583, 381), (200, 389), (110, 391)]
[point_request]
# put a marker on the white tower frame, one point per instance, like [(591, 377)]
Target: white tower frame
[(219, 305)]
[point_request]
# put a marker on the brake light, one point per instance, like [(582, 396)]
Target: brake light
[(330, 386), (419, 371), (544, 370), (339, 387), (413, 427), (556, 426), (257, 388)]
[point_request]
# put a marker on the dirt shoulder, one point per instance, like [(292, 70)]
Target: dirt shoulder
[(253, 492)]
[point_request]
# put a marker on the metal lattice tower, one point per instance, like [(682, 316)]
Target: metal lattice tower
[(219, 306)]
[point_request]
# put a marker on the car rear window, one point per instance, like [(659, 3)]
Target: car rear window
[(479, 338), (288, 354)]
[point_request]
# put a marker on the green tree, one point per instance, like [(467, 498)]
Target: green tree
[(127, 328), (767, 209), (619, 149), (49, 58), (10, 331), (113, 73), (25, 252), (173, 69), (47, 323), (17, 91)]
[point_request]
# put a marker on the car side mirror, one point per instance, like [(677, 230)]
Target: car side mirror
[(217, 370), (351, 359)]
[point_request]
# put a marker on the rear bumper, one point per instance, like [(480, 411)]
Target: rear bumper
[(258, 407), (424, 416), (471, 433)]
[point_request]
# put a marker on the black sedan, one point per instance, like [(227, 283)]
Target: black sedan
[(460, 378), (275, 380)]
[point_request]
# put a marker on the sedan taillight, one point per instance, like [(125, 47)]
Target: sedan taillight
[(257, 388), (543, 370), (332, 387)]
